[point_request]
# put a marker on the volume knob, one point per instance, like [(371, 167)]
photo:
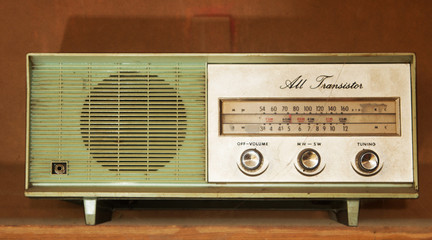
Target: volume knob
[(251, 159)]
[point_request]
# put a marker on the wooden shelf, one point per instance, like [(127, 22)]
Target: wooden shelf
[(213, 232)]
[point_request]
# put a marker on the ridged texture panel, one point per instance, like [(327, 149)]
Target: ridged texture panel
[(115, 122)]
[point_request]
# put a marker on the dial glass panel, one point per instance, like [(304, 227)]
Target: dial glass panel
[(326, 117)]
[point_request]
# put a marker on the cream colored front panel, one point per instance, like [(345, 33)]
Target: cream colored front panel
[(243, 88)]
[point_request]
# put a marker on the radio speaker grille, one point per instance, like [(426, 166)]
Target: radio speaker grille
[(115, 122)]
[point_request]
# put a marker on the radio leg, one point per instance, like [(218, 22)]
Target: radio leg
[(90, 210), (348, 214), (353, 207), (94, 213)]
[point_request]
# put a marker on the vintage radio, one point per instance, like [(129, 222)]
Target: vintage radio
[(221, 126)]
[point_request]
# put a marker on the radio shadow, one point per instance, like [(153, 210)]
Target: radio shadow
[(147, 35)]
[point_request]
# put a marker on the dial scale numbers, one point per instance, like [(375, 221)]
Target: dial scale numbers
[(371, 117)]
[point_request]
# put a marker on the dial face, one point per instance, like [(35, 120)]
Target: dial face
[(369, 117)]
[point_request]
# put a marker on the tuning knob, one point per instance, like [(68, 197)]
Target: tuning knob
[(368, 161)]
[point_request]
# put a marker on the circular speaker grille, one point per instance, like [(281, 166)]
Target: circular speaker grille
[(132, 122)]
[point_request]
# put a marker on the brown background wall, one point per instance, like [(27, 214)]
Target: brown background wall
[(208, 26)]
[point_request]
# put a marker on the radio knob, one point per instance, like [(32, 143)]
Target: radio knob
[(251, 159), (309, 159), (368, 161)]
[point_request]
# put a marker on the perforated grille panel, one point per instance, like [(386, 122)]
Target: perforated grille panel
[(117, 121)]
